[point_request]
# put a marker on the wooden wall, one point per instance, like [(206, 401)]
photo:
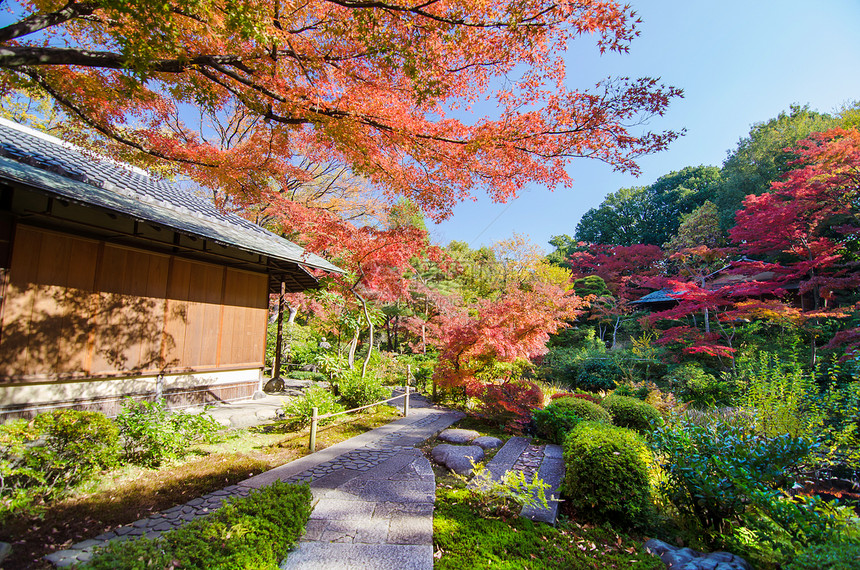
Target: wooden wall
[(82, 308)]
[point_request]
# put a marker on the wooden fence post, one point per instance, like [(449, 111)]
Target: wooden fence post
[(406, 402), (312, 445)]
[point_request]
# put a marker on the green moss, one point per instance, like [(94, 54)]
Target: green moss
[(585, 409), (466, 540), (632, 413), (606, 475)]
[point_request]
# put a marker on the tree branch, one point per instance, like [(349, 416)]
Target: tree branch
[(38, 22)]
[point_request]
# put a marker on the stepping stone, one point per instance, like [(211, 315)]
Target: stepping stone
[(455, 435), (457, 458), (504, 460), (487, 442)]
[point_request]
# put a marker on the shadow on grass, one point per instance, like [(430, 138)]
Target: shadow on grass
[(76, 519)]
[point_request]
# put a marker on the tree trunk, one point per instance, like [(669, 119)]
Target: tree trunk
[(291, 320), (369, 334), (279, 340), (352, 346), (615, 333), (388, 332)]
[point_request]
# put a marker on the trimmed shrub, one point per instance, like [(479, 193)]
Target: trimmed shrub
[(554, 423), (606, 477), (585, 409), (585, 396), (632, 413), (250, 532)]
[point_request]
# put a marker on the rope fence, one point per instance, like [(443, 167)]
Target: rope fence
[(316, 418)]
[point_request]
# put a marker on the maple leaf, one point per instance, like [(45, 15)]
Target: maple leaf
[(244, 96)]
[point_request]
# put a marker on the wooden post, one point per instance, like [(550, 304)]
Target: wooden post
[(406, 402), (312, 445)]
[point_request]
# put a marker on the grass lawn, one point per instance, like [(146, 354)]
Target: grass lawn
[(132, 493)]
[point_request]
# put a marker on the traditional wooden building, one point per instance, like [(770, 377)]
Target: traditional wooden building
[(114, 283)]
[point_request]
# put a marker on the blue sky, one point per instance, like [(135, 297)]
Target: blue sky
[(738, 62)]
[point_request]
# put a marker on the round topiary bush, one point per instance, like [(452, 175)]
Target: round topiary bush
[(632, 413), (584, 409), (606, 477)]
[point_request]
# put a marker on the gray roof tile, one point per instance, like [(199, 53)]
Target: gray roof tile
[(61, 168)]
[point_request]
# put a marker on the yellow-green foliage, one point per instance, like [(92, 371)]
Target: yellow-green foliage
[(588, 411), (632, 413), (607, 474), (784, 399)]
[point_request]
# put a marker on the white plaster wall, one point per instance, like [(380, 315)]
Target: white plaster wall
[(48, 394)]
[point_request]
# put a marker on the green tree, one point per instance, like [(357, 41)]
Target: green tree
[(675, 195), (649, 214), (619, 220), (761, 157), (564, 247), (699, 227)]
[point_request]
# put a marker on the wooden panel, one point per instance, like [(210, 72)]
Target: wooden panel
[(50, 304), (18, 304), (194, 297), (201, 344), (78, 306), (176, 312), (243, 330), (132, 285)]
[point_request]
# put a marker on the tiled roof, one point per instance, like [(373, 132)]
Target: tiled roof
[(58, 167), (661, 296)]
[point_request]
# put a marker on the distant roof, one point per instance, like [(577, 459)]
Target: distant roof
[(63, 169), (661, 296)]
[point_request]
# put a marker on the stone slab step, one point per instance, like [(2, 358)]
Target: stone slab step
[(506, 457), (551, 471)]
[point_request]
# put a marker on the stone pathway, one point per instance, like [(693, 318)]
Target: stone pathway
[(373, 496)]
